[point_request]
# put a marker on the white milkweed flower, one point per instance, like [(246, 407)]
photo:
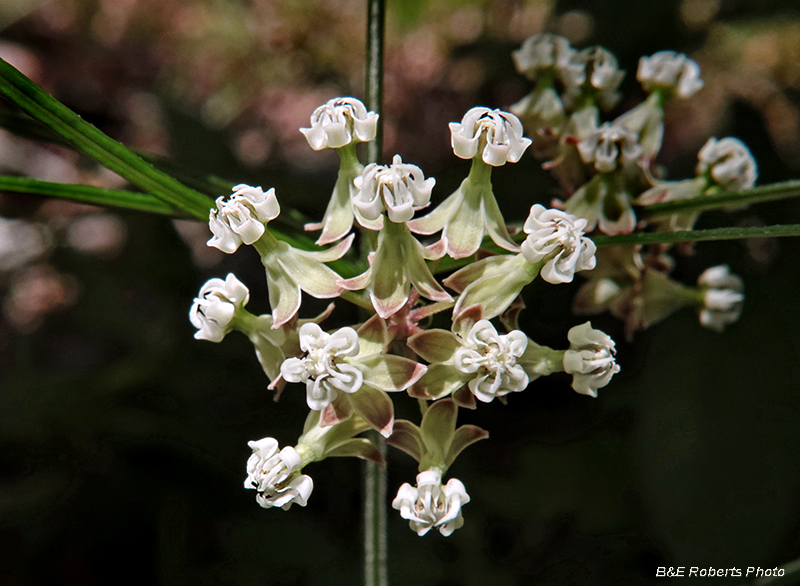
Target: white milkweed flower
[(723, 297), (323, 368), (670, 71), (276, 475), (494, 358), (398, 189), (503, 136), (610, 146), (431, 504), (215, 305), (729, 163), (340, 122), (602, 77), (544, 52), (590, 359), (241, 218), (557, 238)]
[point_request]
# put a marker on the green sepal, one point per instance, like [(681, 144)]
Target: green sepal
[(438, 429), (496, 291), (439, 381), (373, 336), (388, 372), (407, 437), (464, 436), (434, 345), (375, 407), (359, 447)]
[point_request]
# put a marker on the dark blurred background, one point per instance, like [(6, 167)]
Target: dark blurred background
[(123, 440)]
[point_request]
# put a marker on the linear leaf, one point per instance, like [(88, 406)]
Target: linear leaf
[(87, 194), (775, 191), (86, 138), (699, 235)]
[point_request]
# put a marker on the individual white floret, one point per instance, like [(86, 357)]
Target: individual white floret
[(241, 218), (323, 368), (610, 147), (667, 70), (502, 132), (590, 359), (340, 122), (494, 358), (557, 238), (723, 297), (729, 163), (546, 52), (398, 189), (276, 475), (431, 504), (215, 305)]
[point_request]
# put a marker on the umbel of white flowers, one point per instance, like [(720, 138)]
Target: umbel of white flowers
[(430, 504)]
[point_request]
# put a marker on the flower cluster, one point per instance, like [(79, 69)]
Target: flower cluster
[(352, 372)]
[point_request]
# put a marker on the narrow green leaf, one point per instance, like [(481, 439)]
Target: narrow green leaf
[(88, 194), (724, 199), (86, 138), (732, 233)]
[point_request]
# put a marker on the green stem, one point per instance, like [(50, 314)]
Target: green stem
[(732, 233), (760, 194), (375, 542)]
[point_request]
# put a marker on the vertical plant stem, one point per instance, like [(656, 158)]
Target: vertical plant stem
[(376, 17), (375, 573)]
